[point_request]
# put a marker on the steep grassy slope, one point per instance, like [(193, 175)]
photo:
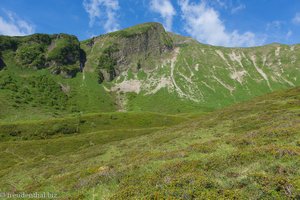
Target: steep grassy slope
[(209, 76), (141, 68), (249, 150), (30, 94), (30, 87), (188, 75)]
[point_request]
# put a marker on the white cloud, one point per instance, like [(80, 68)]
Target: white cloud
[(234, 6), (165, 9), (296, 19), (289, 34), (220, 3), (237, 8), (204, 24), (14, 26), (274, 25), (103, 10)]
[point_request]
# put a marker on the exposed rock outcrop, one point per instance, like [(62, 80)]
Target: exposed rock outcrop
[(133, 48), (2, 64)]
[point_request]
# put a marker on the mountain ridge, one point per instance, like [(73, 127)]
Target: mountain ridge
[(141, 68)]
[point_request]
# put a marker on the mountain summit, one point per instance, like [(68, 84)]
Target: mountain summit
[(128, 49), (141, 68)]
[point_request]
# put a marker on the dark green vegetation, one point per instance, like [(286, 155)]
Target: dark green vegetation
[(60, 52), (26, 94), (107, 63), (247, 150)]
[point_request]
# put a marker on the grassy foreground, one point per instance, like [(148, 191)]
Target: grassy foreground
[(249, 150), (78, 124)]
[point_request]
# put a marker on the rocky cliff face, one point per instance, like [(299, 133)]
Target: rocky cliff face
[(135, 48), (2, 64), (148, 41)]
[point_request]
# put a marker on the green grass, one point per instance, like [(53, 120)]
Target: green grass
[(79, 124), (168, 103), (249, 150), (136, 30), (24, 94)]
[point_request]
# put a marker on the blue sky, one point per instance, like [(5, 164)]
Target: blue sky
[(216, 22)]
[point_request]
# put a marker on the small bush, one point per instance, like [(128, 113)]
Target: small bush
[(64, 129)]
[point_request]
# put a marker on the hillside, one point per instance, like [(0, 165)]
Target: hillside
[(141, 68), (247, 150), (207, 77), (142, 113)]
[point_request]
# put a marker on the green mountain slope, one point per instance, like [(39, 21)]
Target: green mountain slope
[(197, 76), (141, 68), (246, 150), (37, 82)]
